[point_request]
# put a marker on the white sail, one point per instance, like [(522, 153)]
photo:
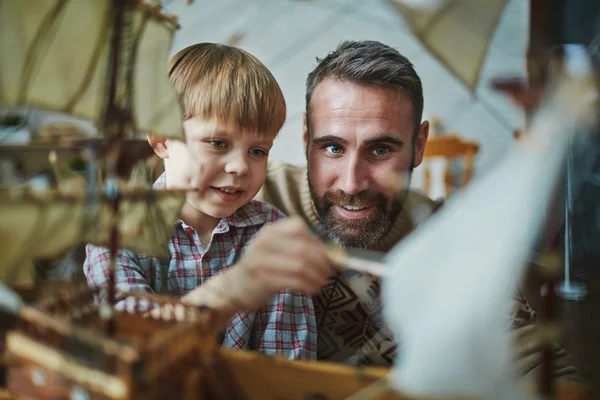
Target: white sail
[(457, 32), (460, 268), (47, 224), (55, 56)]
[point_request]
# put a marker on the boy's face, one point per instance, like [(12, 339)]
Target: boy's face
[(226, 166)]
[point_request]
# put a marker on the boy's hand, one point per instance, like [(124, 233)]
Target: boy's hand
[(285, 255)]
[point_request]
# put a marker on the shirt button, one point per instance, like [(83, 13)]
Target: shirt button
[(189, 231)]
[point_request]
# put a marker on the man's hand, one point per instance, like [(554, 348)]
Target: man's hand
[(285, 255)]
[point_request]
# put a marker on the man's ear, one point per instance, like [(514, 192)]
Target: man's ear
[(420, 142), (305, 135), (159, 145)]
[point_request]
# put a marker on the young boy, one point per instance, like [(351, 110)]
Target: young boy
[(233, 109)]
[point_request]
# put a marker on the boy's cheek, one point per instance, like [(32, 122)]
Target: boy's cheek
[(186, 164), (183, 173), (176, 180)]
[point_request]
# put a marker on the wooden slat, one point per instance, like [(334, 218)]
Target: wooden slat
[(24, 348), (265, 377), (65, 328), (450, 146), (4, 395)]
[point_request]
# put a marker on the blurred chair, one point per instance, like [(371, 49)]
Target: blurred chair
[(448, 165)]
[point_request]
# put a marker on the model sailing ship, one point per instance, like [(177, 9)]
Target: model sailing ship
[(92, 60), (102, 61), (111, 54)]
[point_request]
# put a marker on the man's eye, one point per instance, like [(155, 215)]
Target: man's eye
[(258, 153), (381, 151), (219, 144), (334, 149)]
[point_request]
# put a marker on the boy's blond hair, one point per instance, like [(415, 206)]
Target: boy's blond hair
[(216, 80)]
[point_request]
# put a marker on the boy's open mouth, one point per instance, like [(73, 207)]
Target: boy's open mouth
[(228, 193)]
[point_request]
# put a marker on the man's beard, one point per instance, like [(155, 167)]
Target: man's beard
[(357, 233)]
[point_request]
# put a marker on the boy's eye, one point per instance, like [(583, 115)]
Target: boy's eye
[(258, 152), (219, 144), (334, 149), (381, 151)]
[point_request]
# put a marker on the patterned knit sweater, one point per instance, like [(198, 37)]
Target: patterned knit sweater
[(349, 309)]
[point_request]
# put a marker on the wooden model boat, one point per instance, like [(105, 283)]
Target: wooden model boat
[(60, 351)]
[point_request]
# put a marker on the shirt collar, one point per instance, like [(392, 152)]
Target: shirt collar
[(250, 214)]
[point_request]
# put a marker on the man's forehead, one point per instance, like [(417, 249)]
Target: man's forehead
[(341, 93), (355, 103)]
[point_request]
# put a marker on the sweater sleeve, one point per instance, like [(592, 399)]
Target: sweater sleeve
[(283, 188)]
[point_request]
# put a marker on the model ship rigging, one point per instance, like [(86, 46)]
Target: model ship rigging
[(65, 345), (113, 82)]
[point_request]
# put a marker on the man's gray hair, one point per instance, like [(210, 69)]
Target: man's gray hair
[(370, 63)]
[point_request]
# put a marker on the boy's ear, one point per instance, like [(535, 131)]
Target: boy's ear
[(159, 145)]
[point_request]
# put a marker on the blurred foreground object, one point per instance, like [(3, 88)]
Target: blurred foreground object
[(456, 32), (482, 238)]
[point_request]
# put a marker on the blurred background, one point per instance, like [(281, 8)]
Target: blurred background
[(287, 35)]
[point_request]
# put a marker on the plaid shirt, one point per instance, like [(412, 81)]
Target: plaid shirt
[(286, 325)]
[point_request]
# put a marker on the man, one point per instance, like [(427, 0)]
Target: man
[(364, 105)]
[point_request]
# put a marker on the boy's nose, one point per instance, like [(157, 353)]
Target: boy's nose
[(238, 166)]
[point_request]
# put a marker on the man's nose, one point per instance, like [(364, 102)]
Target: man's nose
[(237, 164), (353, 176)]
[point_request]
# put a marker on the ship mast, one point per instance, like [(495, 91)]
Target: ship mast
[(544, 39), (113, 78), (116, 120)]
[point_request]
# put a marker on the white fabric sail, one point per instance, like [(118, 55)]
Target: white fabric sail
[(44, 225), (456, 32), (462, 266), (55, 57)]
